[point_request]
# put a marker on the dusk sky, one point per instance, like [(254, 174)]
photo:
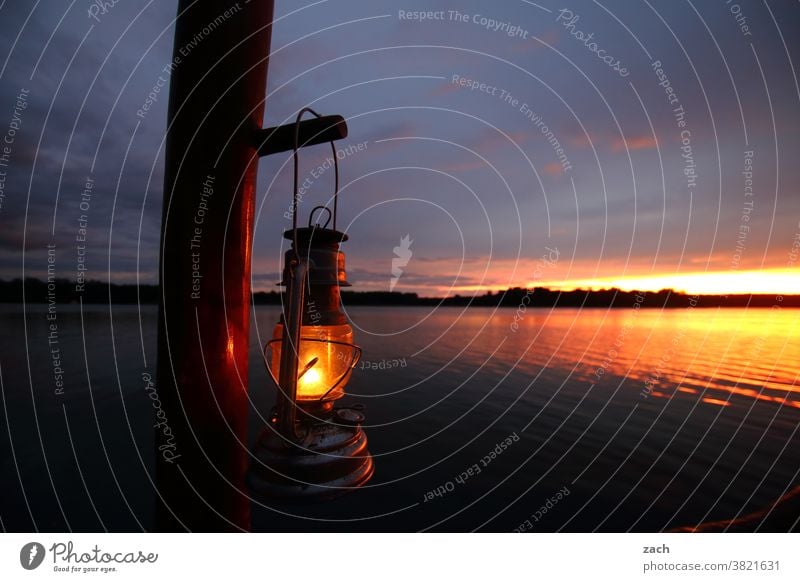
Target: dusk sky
[(661, 148)]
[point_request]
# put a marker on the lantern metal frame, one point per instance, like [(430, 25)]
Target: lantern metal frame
[(312, 450)]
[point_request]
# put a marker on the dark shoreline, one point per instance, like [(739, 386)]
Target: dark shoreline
[(63, 291)]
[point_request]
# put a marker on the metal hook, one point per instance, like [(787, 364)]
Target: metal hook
[(321, 208)]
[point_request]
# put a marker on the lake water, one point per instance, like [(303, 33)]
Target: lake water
[(614, 420)]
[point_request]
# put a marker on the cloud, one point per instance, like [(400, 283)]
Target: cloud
[(538, 42), (617, 143), (444, 89), (464, 166), (582, 141), (490, 138), (643, 142), (553, 169)]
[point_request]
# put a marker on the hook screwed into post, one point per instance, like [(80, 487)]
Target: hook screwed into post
[(321, 129)]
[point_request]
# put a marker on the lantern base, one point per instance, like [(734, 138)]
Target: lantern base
[(331, 460)]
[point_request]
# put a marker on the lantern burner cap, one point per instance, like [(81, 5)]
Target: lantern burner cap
[(320, 247), (316, 236)]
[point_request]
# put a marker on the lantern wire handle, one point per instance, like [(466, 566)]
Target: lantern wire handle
[(297, 174), (290, 351)]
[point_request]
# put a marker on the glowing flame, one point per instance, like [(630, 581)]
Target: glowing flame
[(324, 365), (311, 378)]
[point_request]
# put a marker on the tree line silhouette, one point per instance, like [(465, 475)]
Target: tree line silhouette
[(62, 291)]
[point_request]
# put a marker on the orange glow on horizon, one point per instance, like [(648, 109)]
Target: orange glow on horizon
[(781, 281), (767, 281)]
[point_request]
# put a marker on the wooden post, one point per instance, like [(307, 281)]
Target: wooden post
[(216, 106)]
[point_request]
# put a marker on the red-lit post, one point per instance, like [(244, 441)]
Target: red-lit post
[(216, 105)]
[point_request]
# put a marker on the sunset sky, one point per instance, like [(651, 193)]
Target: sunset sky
[(704, 199)]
